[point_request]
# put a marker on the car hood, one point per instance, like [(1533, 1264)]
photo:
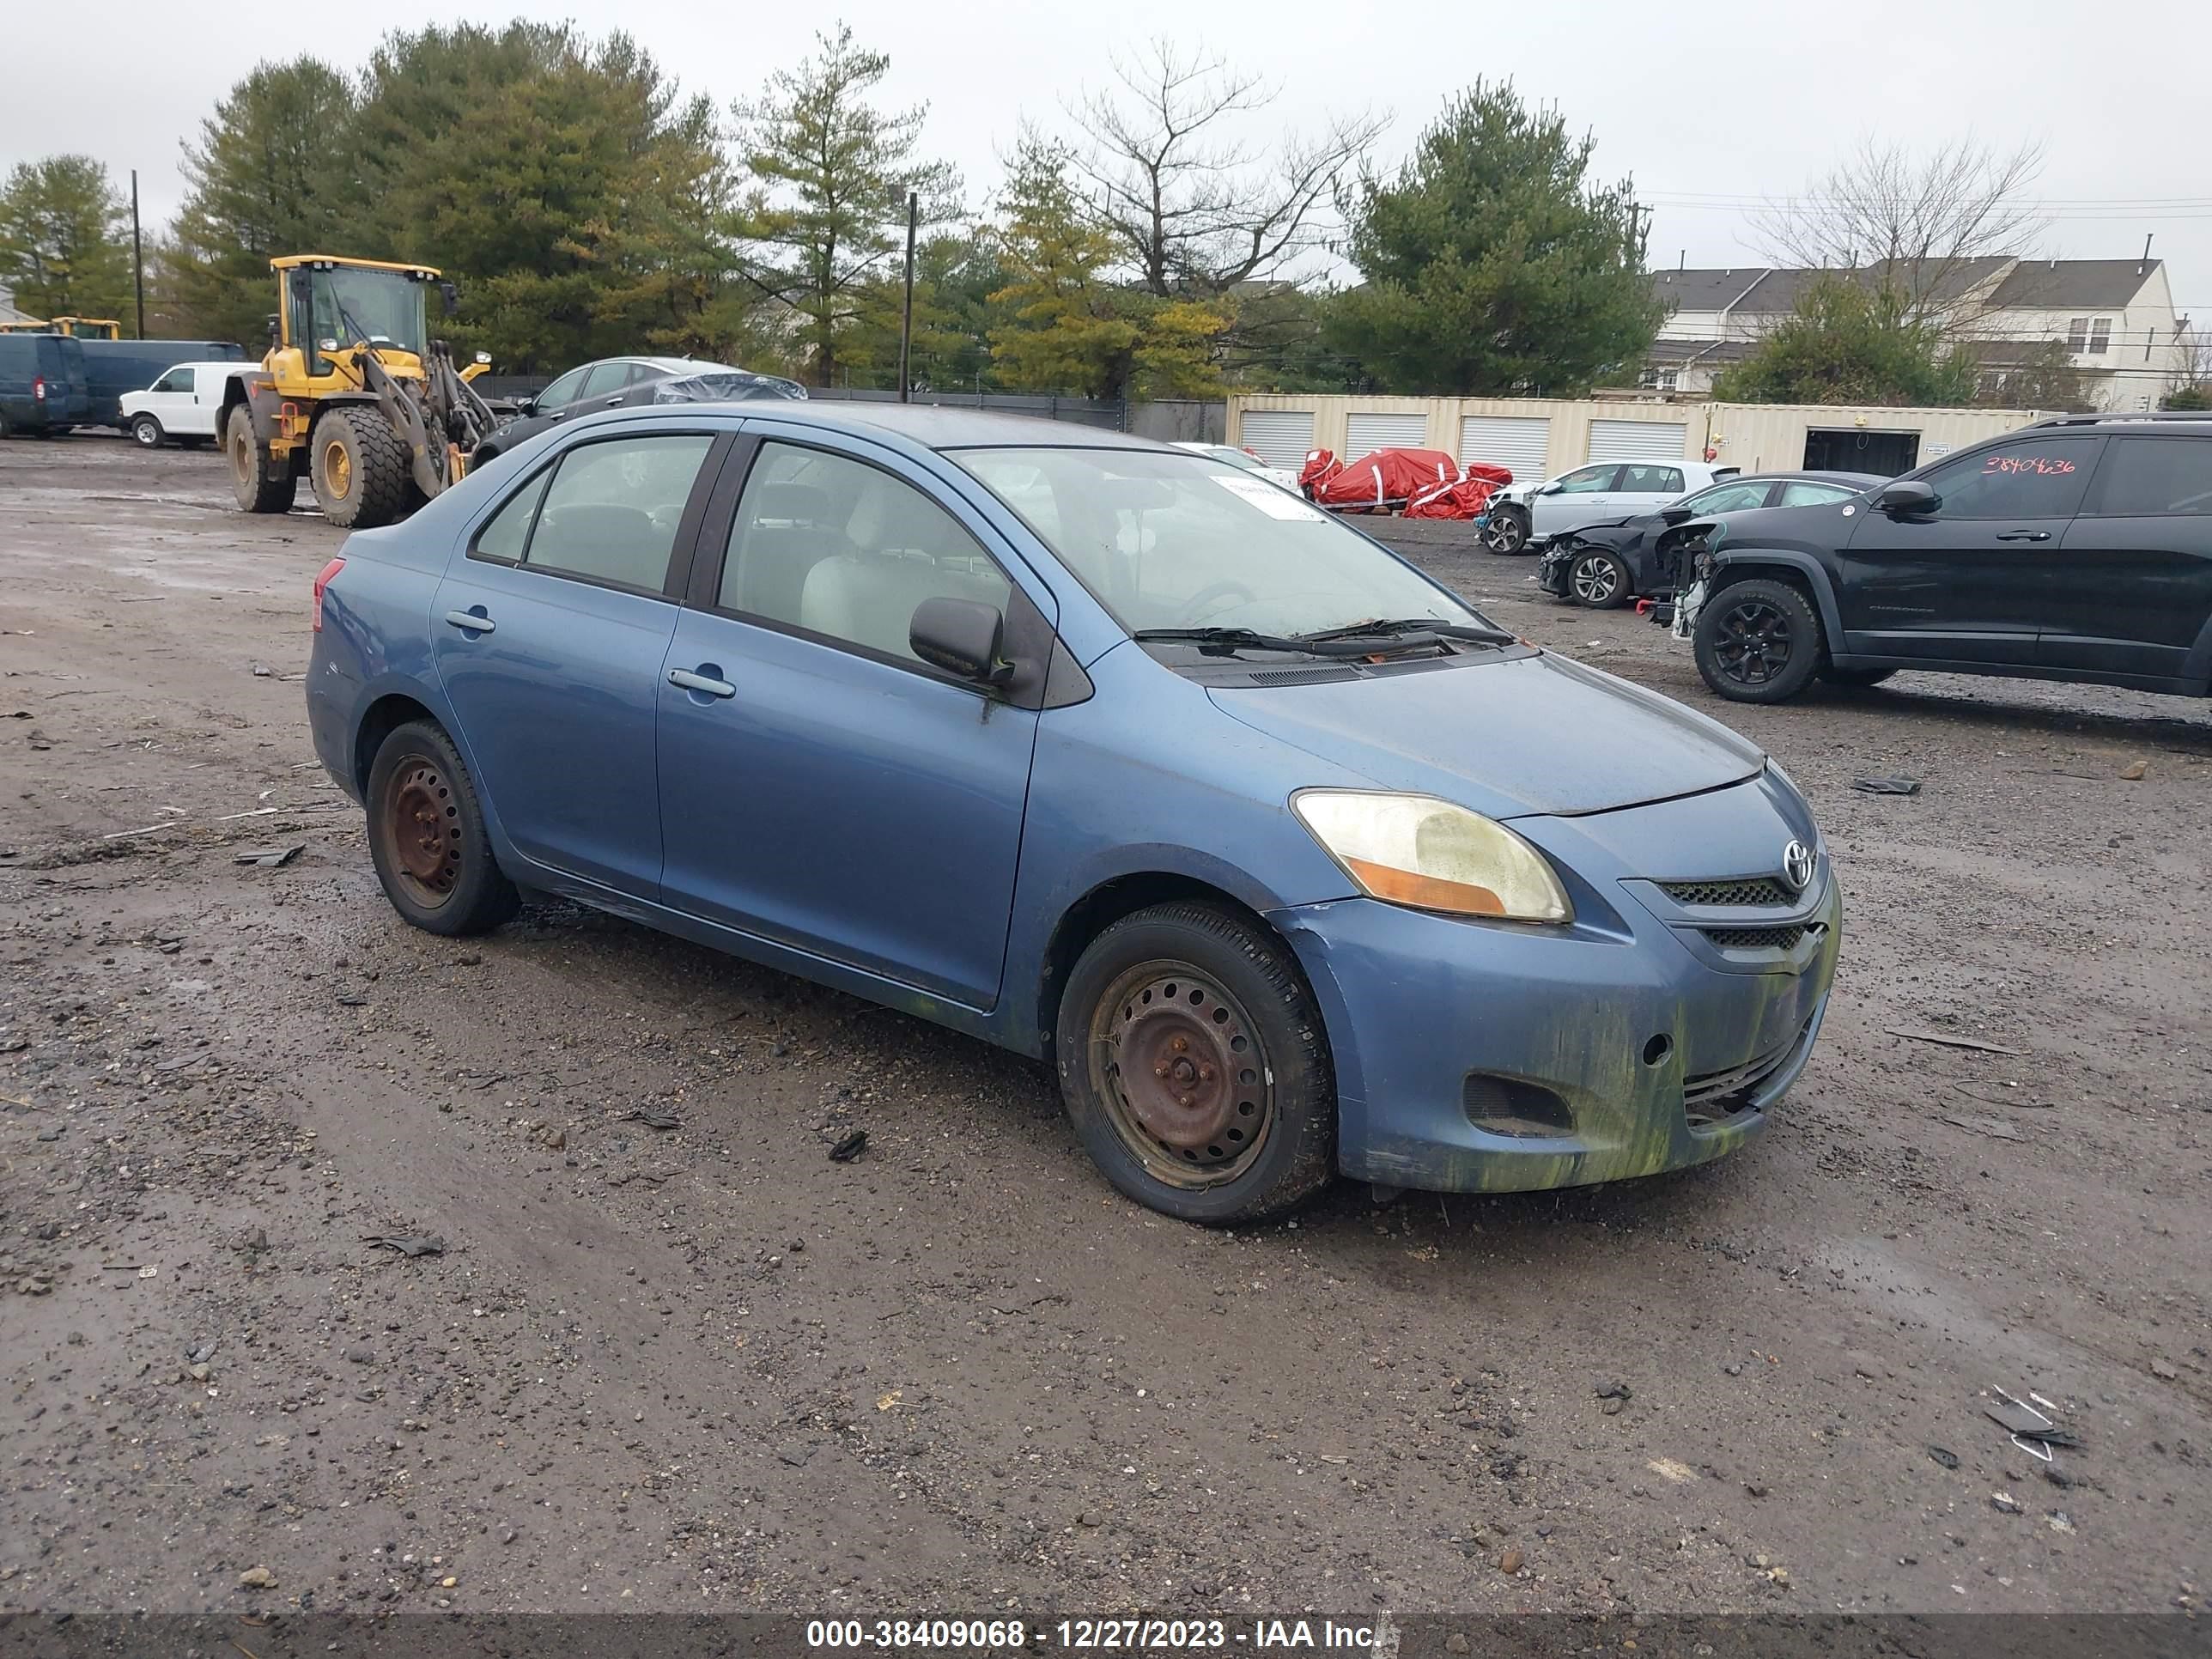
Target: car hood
[(1534, 734)]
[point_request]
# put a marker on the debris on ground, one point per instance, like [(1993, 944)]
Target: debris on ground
[(1944, 1455), (1994, 1128), (256, 1578), (849, 1148), (652, 1118), (2004, 1503), (2164, 1370), (407, 1243), (269, 858), (1948, 1042), (2133, 771), (1887, 786)]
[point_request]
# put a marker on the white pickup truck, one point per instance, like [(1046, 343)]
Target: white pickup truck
[(185, 407)]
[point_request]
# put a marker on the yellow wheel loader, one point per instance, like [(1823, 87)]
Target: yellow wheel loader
[(353, 395)]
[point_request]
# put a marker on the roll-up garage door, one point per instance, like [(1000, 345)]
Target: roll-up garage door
[(1638, 440), (1519, 443), (1365, 433), (1279, 437)]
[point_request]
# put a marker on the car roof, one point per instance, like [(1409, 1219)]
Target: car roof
[(1853, 480), (931, 426)]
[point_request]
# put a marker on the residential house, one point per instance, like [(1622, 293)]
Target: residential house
[(2116, 317)]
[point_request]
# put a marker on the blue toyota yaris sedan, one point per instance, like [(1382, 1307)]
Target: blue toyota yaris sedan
[(1288, 861)]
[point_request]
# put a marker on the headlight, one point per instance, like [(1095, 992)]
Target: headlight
[(1429, 853)]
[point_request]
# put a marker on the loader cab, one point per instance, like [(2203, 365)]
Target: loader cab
[(88, 328), (332, 305)]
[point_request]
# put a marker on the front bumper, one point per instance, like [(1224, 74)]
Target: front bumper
[(1650, 1044), (1551, 570)]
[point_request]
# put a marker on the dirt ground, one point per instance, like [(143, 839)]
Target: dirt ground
[(706, 1368)]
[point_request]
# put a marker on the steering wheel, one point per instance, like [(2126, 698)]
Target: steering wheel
[(1201, 610)]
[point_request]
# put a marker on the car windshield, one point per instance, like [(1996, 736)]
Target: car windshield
[(369, 307), (1183, 541)]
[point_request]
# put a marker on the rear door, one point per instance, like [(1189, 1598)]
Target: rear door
[(1645, 487), (2127, 589), (1962, 583), (551, 635)]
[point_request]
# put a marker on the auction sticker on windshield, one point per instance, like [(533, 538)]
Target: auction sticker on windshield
[(1276, 503)]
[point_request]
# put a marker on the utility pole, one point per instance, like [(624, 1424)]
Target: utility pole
[(137, 255), (906, 323)]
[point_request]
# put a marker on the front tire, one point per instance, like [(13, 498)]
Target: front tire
[(1195, 1067), (358, 468), (1507, 531), (1598, 580), (427, 836), (1760, 641), (146, 432), (259, 483)]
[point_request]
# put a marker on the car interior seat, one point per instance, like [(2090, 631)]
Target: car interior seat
[(788, 530)]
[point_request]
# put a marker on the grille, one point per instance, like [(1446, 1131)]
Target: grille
[(1756, 938), (1716, 1096), (1752, 890)]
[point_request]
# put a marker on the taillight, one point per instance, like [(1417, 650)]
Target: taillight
[(39, 387), (329, 571)]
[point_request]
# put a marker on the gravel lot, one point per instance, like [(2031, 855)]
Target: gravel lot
[(706, 1368)]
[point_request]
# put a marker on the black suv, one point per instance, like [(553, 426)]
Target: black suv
[(2077, 549)]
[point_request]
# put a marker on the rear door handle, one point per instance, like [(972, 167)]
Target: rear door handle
[(471, 620), (2023, 535), (701, 683)]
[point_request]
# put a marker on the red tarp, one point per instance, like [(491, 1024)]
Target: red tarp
[(1321, 465), (1462, 499), (1387, 478)]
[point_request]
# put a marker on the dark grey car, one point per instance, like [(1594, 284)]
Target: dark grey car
[(624, 382)]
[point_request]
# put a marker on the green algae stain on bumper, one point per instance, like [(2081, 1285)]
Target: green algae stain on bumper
[(1660, 1054)]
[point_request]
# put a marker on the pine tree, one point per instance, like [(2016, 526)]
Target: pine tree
[(1492, 265), (64, 246)]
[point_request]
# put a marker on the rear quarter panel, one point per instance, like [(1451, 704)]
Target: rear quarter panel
[(375, 639)]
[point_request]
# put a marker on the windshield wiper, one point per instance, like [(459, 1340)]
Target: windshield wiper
[(1414, 625), (1236, 639)]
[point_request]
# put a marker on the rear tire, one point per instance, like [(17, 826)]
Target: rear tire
[(358, 468), (259, 483), (1760, 641), (1227, 1110), (428, 840), (1599, 580), (1507, 532), (146, 432), (1859, 678)]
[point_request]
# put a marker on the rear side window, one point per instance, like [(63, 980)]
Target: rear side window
[(2033, 480), (606, 377), (2154, 478), (1650, 481), (609, 512), (1801, 493)]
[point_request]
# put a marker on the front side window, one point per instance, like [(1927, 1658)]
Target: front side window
[(832, 546), (1727, 498), (563, 392), (1803, 493), (1181, 541), (177, 380), (2154, 477), (2030, 480), (1651, 480), (1588, 480), (611, 511)]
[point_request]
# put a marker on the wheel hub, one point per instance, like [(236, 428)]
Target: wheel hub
[(337, 470), (1184, 1068), (1755, 642), (1594, 579), (423, 829)]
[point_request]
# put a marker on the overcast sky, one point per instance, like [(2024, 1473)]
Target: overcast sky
[(1713, 105)]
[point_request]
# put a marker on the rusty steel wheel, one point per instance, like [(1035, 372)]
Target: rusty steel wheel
[(423, 822), (1183, 1073), (427, 835)]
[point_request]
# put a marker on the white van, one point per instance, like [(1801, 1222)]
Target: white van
[(183, 406)]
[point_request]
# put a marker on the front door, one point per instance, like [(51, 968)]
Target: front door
[(551, 635), (2129, 590), (1958, 584), (170, 401), (1582, 497), (820, 785)]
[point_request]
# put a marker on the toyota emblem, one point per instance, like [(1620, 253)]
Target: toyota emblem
[(1797, 864)]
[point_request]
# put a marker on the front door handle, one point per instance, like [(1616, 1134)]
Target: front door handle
[(2023, 535), (617, 401), (700, 683), (475, 621)]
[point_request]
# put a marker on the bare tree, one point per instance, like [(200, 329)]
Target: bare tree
[(2189, 365), (1195, 209), (1921, 225)]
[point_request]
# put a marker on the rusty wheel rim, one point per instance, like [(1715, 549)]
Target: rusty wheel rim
[(241, 456), (422, 832), (337, 470), (1183, 1074)]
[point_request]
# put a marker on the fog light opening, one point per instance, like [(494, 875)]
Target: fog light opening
[(1657, 1051), (1508, 1106)]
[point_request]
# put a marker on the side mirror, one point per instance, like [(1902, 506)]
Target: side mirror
[(526, 405), (276, 330), (1551, 489), (1907, 497), (962, 637), (1677, 514)]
